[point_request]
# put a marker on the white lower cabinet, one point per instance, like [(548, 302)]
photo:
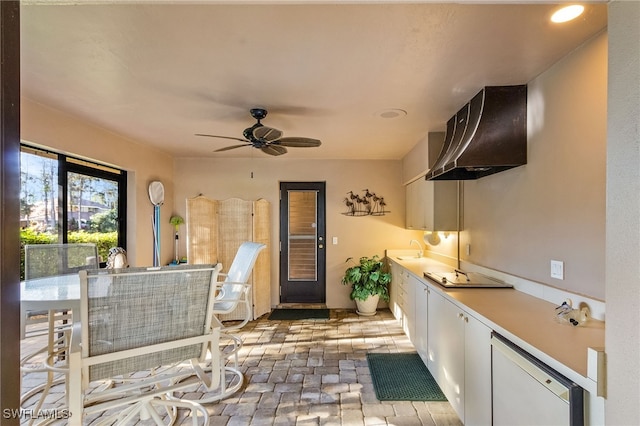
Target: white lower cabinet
[(459, 358), (446, 349), (394, 291), (401, 298), (477, 372), (456, 347), (408, 303), (421, 331), (409, 322)]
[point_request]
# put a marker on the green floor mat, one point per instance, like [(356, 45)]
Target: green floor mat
[(299, 314), (402, 377)]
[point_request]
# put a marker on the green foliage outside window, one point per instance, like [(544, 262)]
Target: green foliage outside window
[(103, 241)]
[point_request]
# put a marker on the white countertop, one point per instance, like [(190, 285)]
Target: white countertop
[(527, 321)]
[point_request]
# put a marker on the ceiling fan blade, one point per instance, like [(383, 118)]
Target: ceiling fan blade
[(232, 147), (223, 137), (267, 134), (274, 149), (298, 142)]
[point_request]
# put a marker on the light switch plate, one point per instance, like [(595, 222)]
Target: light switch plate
[(557, 269)]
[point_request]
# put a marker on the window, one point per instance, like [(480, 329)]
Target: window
[(68, 200)]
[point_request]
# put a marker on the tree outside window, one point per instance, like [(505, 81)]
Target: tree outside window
[(67, 200)]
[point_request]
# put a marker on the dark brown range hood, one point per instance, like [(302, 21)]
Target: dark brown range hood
[(488, 135)]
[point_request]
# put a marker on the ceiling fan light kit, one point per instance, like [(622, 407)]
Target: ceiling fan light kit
[(266, 139)]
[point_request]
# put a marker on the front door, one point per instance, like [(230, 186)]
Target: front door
[(302, 242)]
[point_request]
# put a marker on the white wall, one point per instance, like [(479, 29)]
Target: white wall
[(357, 236), (50, 128), (553, 207), (623, 216)]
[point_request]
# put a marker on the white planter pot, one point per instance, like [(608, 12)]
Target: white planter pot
[(368, 307)]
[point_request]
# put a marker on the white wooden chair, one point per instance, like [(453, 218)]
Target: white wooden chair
[(157, 321), (41, 261)]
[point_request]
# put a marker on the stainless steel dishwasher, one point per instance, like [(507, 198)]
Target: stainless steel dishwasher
[(525, 391)]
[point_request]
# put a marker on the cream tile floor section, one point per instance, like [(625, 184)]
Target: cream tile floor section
[(314, 372)]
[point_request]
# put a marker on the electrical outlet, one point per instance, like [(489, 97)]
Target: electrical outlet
[(557, 269)]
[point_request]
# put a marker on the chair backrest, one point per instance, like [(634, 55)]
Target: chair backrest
[(45, 260), (243, 262), (123, 310), (240, 270)]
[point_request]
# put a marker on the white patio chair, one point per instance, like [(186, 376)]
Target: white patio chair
[(41, 261), (157, 321), (235, 289)]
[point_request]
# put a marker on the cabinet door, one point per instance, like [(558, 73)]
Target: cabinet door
[(421, 320), (446, 349), (477, 378), (432, 206), (409, 307), (410, 206), (441, 213), (415, 204), (402, 298), (394, 291)]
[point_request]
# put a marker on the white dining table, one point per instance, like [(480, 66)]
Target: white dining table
[(59, 292)]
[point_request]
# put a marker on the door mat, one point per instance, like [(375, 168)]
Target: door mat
[(299, 314), (402, 377)]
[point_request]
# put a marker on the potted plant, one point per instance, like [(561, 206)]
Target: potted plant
[(369, 282)]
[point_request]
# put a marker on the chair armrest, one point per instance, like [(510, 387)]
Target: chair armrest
[(220, 292), (76, 337), (75, 388)]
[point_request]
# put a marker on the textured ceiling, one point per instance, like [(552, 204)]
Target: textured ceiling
[(159, 72)]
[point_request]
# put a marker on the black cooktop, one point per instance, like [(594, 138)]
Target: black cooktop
[(459, 279)]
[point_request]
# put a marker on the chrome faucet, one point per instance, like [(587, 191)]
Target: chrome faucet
[(419, 245)]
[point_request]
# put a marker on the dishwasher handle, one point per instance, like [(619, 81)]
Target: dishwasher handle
[(534, 371), (567, 390)]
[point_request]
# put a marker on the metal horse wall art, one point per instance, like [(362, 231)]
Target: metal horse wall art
[(364, 205)]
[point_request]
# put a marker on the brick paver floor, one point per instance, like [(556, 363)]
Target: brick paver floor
[(310, 372)]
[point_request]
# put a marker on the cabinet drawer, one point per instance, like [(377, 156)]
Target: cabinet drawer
[(402, 298)]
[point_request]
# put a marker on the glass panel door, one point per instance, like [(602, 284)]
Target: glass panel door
[(302, 245), (303, 256)]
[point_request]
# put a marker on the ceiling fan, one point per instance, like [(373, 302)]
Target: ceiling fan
[(266, 139)]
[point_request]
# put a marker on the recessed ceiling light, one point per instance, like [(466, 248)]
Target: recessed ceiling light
[(567, 13), (391, 113)]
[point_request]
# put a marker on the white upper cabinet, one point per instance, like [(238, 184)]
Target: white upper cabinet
[(430, 205)]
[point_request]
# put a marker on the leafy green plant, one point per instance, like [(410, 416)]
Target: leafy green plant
[(176, 221), (367, 278)]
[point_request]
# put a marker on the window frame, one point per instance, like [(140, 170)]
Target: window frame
[(68, 163)]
